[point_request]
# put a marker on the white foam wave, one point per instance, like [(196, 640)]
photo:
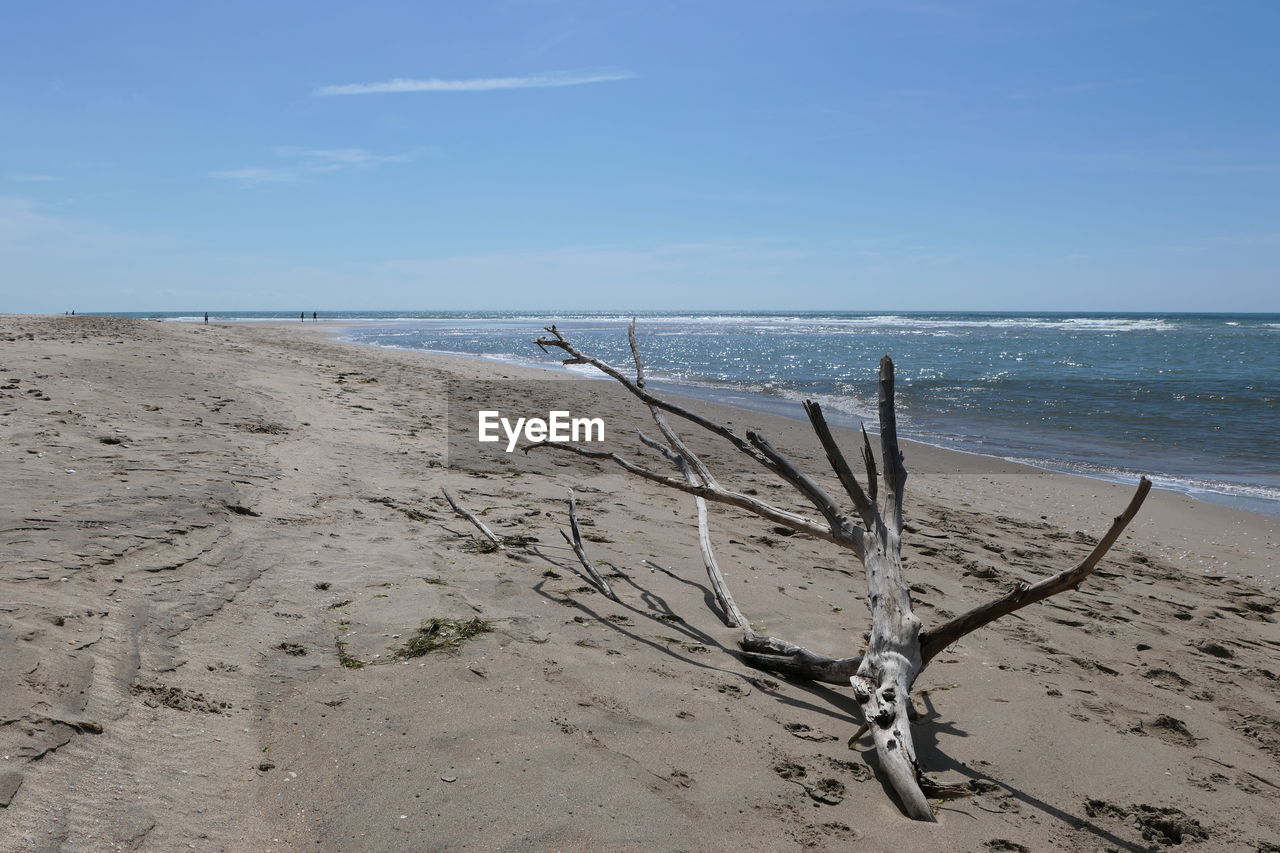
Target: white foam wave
[(905, 321), (1194, 486), (844, 403)]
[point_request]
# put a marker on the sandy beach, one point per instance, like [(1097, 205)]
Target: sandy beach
[(217, 538)]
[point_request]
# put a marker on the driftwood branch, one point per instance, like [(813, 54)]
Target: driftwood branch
[(636, 387), (576, 356), (702, 474), (895, 473), (695, 472), (882, 685), (837, 522), (471, 517), (934, 641), (796, 661), (869, 462), (864, 505), (733, 615), (575, 542), (715, 494), (898, 648)]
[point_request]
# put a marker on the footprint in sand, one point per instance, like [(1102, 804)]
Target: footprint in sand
[(1168, 729), (825, 790), (804, 732)]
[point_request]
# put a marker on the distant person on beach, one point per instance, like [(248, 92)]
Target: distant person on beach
[(206, 318), (313, 315), (302, 315)]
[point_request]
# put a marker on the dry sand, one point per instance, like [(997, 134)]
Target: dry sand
[(197, 519)]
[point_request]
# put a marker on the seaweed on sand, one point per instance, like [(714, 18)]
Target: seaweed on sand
[(436, 634)]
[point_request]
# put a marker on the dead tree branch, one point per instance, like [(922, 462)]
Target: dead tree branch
[(898, 649), (695, 473), (575, 542), (471, 517), (796, 661), (716, 494), (863, 504), (933, 642), (733, 615)]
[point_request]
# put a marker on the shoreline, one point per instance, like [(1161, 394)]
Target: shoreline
[(1073, 491), (221, 535), (792, 408)]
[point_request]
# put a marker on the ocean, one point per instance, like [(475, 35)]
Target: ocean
[(1191, 400)]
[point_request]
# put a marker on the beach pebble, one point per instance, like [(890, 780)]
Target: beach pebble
[(448, 778)]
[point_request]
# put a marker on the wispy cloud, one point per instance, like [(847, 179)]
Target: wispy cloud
[(254, 176), (307, 161), (480, 84), (336, 159), (1256, 239), (1084, 87)]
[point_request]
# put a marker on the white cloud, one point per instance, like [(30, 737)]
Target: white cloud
[(254, 176), (334, 159), (308, 161), (480, 84)]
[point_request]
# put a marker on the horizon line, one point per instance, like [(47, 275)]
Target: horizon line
[(643, 311)]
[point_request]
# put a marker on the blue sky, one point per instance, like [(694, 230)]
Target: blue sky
[(868, 154)]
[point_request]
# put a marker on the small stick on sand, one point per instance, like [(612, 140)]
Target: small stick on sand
[(575, 542), (470, 516)]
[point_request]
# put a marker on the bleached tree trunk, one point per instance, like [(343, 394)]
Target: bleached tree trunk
[(882, 685)]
